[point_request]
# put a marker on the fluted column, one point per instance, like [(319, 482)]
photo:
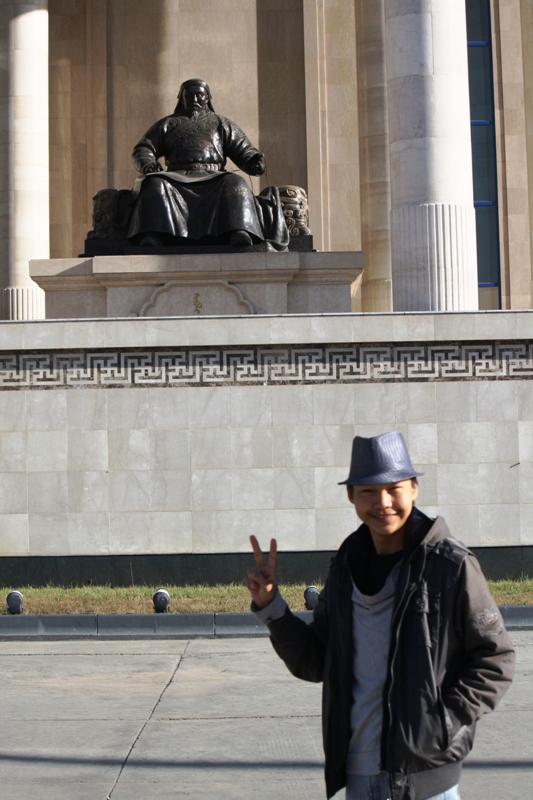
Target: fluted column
[(433, 231), (24, 172)]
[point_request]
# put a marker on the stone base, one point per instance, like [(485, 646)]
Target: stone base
[(120, 247), (204, 284), (22, 302), (434, 265), (128, 439), (179, 569)]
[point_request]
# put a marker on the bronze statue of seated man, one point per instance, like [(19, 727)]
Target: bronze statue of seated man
[(196, 198)]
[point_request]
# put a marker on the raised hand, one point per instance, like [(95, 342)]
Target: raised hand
[(153, 166), (261, 580), (256, 165)]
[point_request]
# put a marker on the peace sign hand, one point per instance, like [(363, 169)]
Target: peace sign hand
[(262, 580)]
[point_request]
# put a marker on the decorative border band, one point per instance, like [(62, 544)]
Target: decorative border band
[(260, 365)]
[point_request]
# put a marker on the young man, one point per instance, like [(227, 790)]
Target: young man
[(408, 642)]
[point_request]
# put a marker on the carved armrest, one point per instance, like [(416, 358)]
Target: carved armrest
[(111, 211), (295, 209)]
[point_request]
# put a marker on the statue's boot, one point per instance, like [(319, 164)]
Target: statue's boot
[(240, 239), (152, 240)]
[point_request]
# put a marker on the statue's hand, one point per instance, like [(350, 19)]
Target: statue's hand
[(256, 165), (153, 166)]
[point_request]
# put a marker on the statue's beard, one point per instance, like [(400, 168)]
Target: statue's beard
[(195, 113)]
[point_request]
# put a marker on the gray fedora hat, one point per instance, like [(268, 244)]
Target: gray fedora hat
[(380, 459)]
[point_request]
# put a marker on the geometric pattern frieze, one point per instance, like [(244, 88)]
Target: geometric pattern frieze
[(260, 365)]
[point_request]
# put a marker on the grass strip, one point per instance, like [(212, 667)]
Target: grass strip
[(192, 599), (138, 599)]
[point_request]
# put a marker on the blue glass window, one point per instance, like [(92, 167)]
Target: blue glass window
[(483, 142)]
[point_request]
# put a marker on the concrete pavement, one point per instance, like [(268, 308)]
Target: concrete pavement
[(222, 718)]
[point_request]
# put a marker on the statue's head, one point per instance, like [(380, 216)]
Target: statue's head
[(194, 96)]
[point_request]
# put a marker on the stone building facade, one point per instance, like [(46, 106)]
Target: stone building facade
[(166, 438), (364, 103), (148, 449)]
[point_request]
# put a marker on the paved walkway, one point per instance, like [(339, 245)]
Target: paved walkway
[(222, 719)]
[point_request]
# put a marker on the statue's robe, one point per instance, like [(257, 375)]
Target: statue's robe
[(196, 197)]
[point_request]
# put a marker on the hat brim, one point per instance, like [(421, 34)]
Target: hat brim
[(392, 476)]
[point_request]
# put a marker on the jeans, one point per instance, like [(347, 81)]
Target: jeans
[(376, 787)]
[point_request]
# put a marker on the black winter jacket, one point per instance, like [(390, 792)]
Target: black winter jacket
[(450, 661)]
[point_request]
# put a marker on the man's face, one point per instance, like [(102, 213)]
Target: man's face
[(385, 508), (194, 98)]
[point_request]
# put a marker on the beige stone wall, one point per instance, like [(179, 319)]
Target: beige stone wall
[(285, 70), (279, 90), (116, 67), (526, 7), (511, 146), (376, 289), (303, 78), (250, 53), (78, 118), (332, 123)]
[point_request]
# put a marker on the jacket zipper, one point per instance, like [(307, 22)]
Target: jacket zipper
[(400, 613), (396, 628)]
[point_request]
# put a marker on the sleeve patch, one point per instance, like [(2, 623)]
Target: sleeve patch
[(488, 621)]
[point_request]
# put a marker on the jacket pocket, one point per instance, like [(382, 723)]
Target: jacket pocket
[(416, 620)]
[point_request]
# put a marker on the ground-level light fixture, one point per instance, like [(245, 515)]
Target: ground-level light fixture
[(14, 602), (161, 599), (311, 595)]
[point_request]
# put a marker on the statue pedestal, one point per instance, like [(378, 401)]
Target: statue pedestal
[(198, 284), (122, 247)]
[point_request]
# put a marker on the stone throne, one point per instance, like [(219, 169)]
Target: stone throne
[(111, 208)]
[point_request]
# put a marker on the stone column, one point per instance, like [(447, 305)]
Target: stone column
[(24, 171), (432, 216)]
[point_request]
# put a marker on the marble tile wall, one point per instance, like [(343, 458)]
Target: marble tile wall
[(197, 469), (90, 469)]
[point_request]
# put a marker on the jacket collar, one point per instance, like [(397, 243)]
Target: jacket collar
[(417, 530), (420, 530), (423, 531)]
